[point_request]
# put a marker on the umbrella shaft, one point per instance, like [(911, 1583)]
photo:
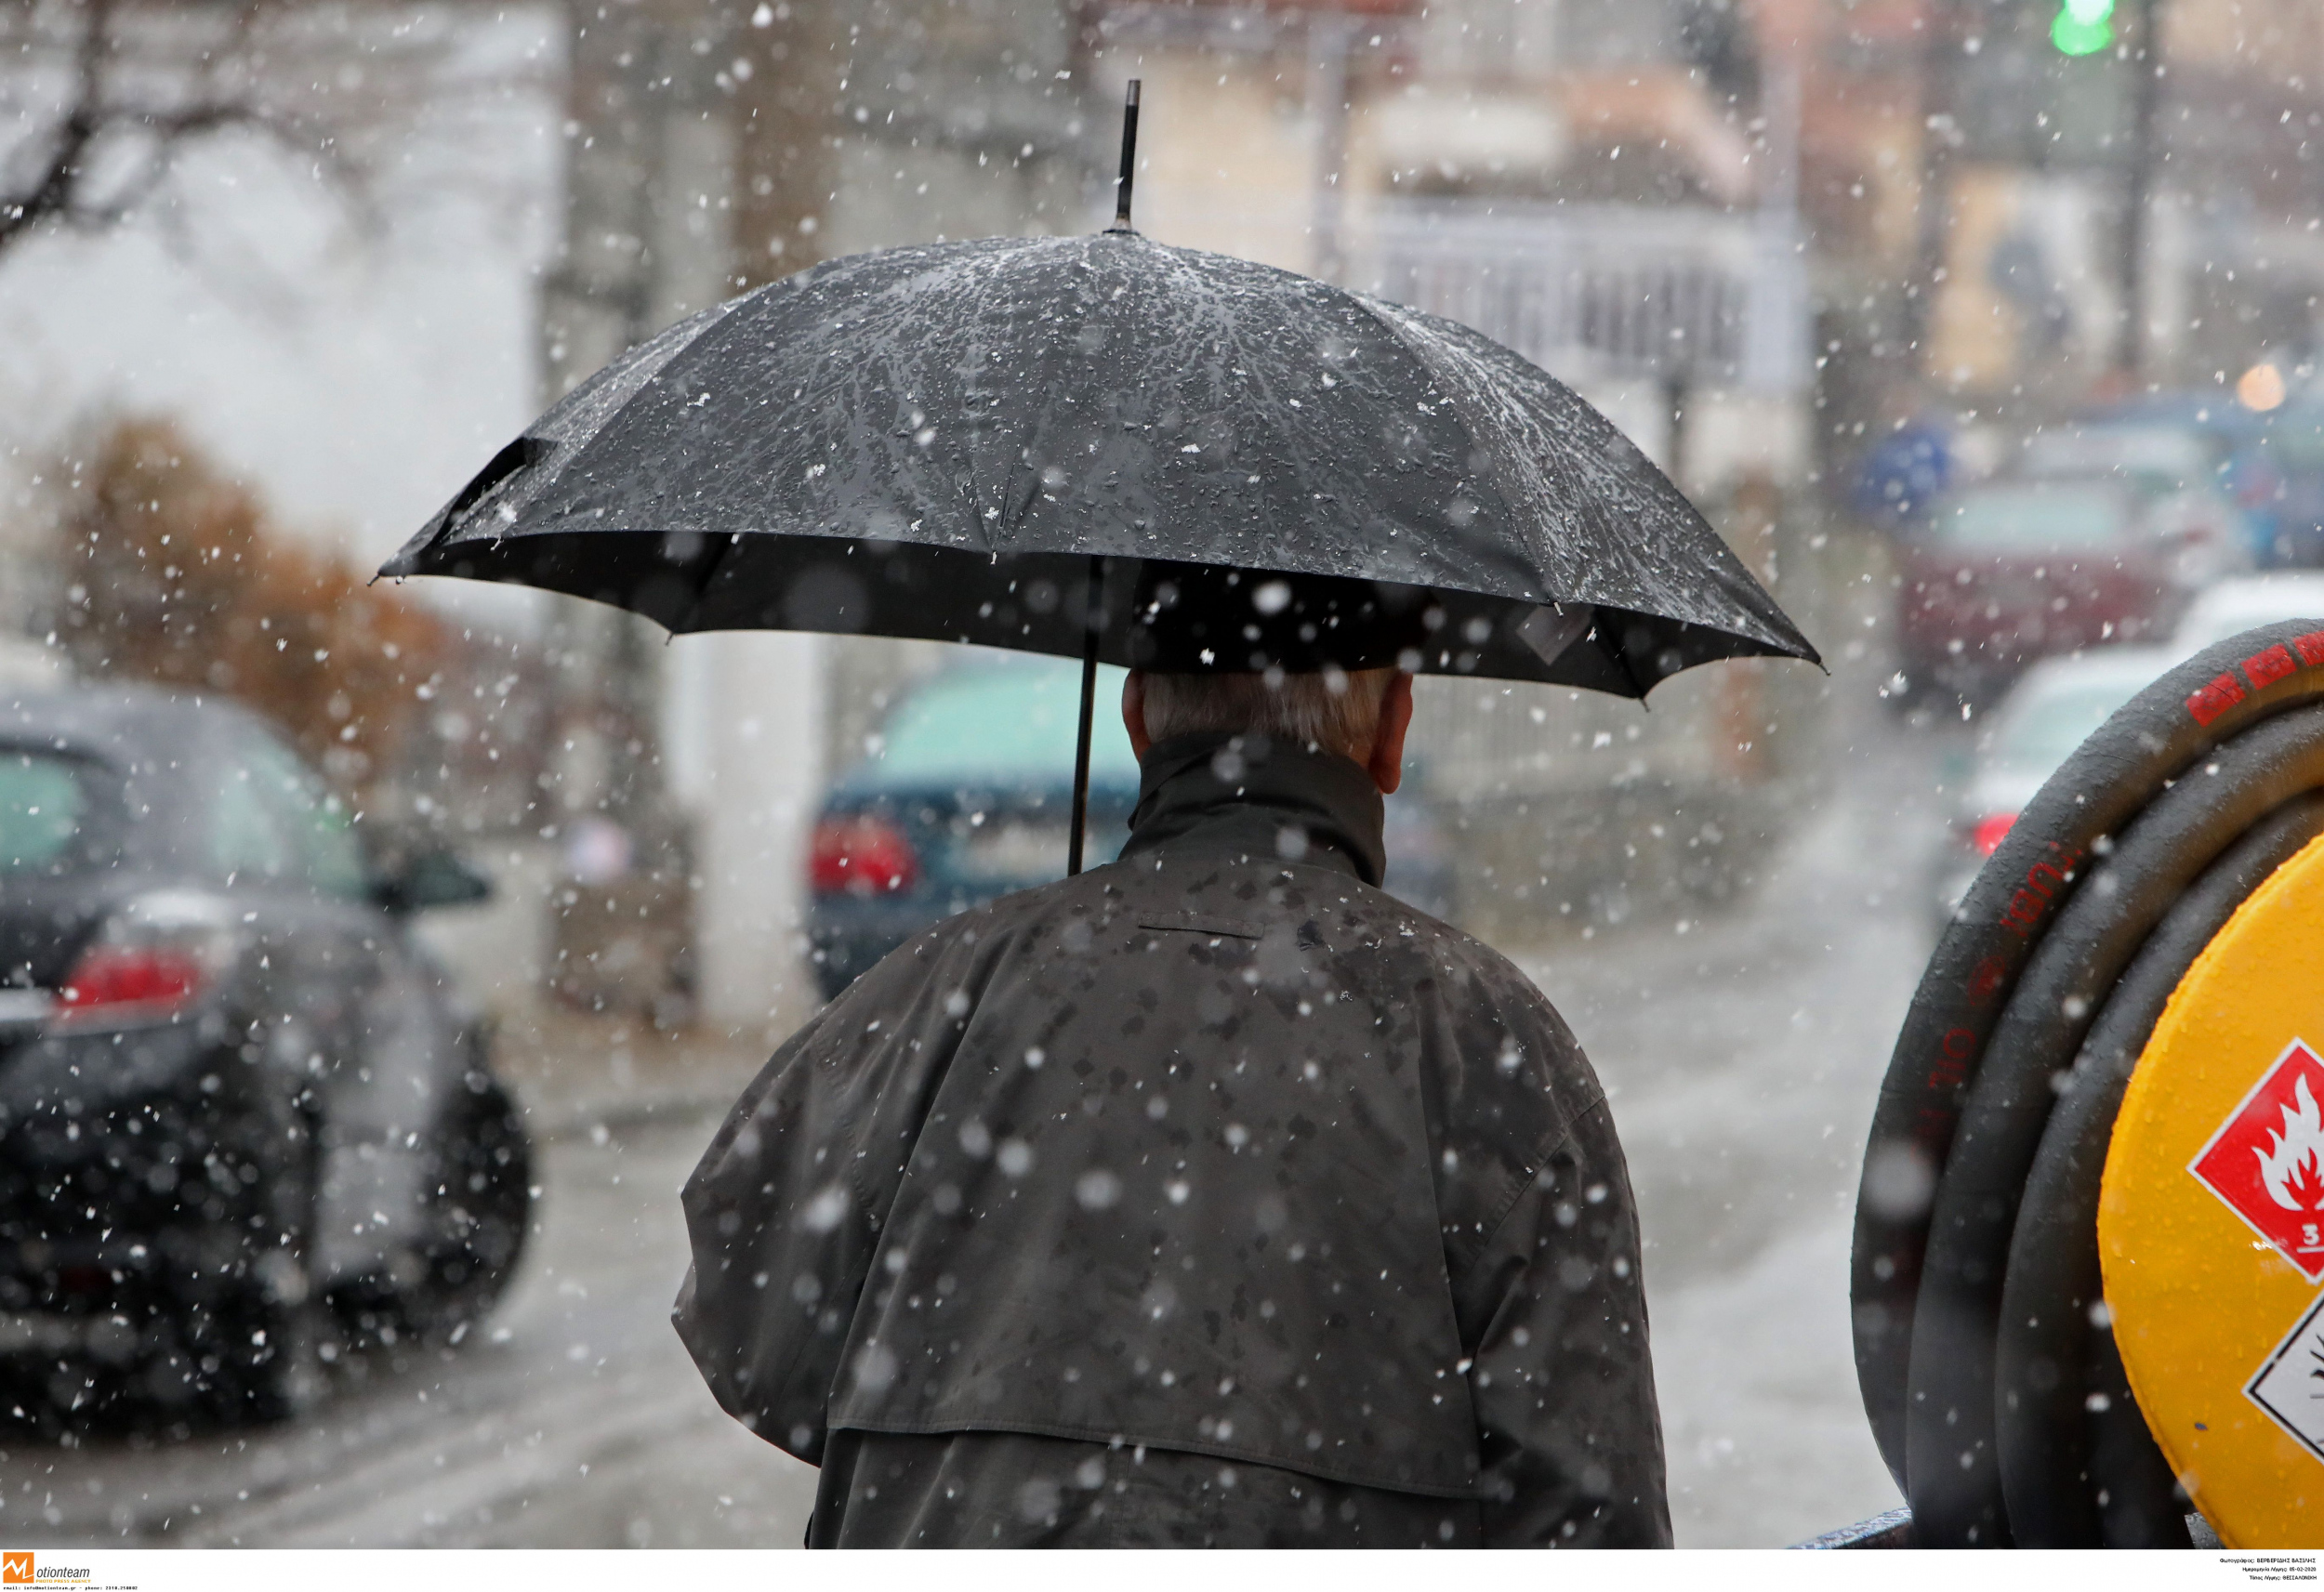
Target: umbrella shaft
[(1088, 704)]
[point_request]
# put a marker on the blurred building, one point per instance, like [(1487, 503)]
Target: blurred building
[(2238, 262), (1983, 208)]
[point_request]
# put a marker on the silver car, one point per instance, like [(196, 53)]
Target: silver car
[(2232, 607)]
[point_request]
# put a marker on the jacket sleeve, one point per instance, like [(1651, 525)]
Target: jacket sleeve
[(1569, 1434), (784, 1212)]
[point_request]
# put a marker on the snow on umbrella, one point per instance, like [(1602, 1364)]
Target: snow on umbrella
[(1109, 448)]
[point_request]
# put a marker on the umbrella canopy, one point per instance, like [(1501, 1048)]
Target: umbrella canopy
[(1103, 444)]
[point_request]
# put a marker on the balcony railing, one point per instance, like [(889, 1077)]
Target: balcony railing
[(1690, 294)]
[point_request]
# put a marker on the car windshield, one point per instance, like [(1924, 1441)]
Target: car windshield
[(2040, 732), (48, 814), (1014, 723), (2001, 519)]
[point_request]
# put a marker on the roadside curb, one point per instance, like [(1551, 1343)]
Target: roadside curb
[(574, 1076), (565, 1121)]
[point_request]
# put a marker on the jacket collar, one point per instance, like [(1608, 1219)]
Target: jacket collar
[(1260, 796)]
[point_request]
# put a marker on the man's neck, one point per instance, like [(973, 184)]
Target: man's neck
[(1260, 796)]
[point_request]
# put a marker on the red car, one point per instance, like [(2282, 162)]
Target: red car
[(2012, 572)]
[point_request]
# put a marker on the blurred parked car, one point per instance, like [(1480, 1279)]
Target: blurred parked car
[(242, 1121), (2272, 462), (2035, 728), (968, 794), (2175, 475), (2155, 459), (2014, 571), (2232, 607)]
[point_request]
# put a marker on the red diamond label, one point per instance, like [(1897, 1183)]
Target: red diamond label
[(2266, 1160)]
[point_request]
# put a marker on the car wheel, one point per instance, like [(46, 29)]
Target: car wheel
[(292, 1354), (484, 1207), (276, 1337)]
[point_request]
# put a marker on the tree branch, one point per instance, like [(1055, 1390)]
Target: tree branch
[(53, 192), (145, 81)]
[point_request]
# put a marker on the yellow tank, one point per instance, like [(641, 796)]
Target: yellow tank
[(2211, 1220)]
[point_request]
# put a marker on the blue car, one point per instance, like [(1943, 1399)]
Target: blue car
[(967, 795)]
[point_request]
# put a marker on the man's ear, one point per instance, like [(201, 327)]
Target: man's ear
[(1134, 712), (1395, 717)]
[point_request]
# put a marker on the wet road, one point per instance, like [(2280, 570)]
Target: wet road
[(1742, 1053)]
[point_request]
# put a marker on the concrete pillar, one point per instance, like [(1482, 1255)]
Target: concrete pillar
[(743, 722)]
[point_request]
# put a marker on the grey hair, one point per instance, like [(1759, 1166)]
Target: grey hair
[(1337, 709)]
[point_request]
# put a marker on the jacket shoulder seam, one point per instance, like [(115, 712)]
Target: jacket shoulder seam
[(1535, 1163)]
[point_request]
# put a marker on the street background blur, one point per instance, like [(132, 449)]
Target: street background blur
[(1985, 329)]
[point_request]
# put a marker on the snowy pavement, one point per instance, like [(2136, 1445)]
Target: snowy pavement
[(1742, 1056)]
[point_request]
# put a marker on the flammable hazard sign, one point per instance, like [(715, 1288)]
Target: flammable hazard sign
[(2266, 1160)]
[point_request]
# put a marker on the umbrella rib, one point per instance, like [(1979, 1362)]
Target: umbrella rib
[(710, 575), (1769, 634), (1601, 638)]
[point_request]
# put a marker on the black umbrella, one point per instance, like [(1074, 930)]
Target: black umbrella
[(1108, 448)]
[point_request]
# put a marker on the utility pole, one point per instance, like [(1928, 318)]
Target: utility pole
[(1329, 36), (651, 183), (650, 178), (2138, 189), (1940, 56)]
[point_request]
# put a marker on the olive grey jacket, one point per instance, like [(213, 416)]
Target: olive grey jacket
[(1214, 1162)]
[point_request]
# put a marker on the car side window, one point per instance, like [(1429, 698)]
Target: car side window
[(247, 838), (320, 827), (334, 857)]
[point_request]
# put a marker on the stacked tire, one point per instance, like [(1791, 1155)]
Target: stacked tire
[(1984, 1347)]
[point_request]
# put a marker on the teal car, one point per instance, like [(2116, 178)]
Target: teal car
[(966, 793)]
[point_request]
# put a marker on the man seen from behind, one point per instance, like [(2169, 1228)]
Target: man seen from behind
[(1214, 1197)]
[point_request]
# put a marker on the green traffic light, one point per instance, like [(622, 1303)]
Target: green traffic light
[(2083, 27)]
